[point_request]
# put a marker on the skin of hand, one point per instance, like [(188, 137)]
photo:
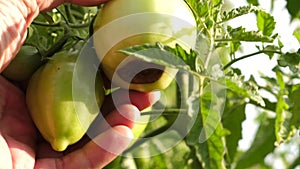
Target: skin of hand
[(21, 145), (18, 16)]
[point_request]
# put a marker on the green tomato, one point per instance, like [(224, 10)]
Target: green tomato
[(124, 23), (61, 119), (26, 62)]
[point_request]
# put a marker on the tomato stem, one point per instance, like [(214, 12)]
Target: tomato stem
[(249, 55), (59, 44), (167, 112), (153, 133)]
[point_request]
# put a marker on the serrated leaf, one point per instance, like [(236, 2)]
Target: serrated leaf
[(200, 8), (291, 60), (283, 116), (265, 23), (248, 89), (261, 146), (236, 12), (240, 34), (176, 57)]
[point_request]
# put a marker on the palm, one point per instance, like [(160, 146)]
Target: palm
[(21, 146), (18, 134)]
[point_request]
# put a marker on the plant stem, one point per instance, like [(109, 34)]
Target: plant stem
[(58, 45), (153, 133), (182, 89), (69, 13), (168, 112), (46, 24), (249, 55), (60, 23)]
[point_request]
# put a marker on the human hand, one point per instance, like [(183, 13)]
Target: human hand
[(17, 15), (21, 146)]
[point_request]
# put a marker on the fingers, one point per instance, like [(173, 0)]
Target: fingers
[(144, 100), (96, 154), (17, 137), (121, 96), (47, 5), (104, 148), (106, 139), (125, 115), (87, 2), (13, 110), (5, 160)]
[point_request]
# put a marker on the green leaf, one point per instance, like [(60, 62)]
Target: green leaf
[(194, 112), (234, 115), (211, 152), (199, 8), (293, 7), (236, 12), (253, 2), (296, 33), (176, 57), (283, 116), (265, 23), (217, 2), (247, 89), (295, 99), (240, 34), (280, 44), (147, 163), (291, 60), (270, 49), (207, 133), (262, 145), (193, 161), (234, 47), (115, 164)]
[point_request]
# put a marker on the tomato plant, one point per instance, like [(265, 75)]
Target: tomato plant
[(143, 22), (199, 122)]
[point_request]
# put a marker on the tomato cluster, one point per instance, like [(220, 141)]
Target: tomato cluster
[(63, 121)]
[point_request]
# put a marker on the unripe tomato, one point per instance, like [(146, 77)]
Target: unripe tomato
[(124, 23), (61, 119), (26, 62)]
